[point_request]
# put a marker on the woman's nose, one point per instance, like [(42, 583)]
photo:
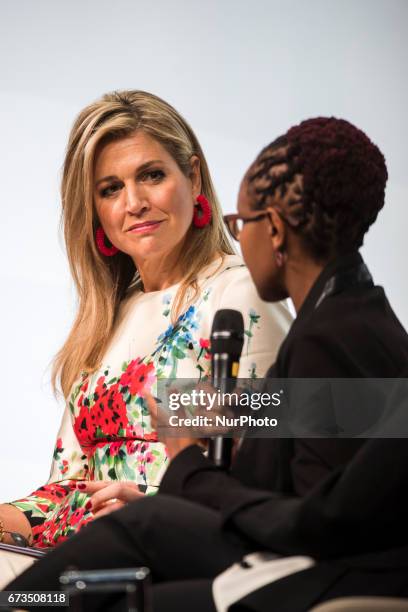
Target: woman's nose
[(135, 201)]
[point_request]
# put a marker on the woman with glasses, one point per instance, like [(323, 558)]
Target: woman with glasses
[(304, 207)]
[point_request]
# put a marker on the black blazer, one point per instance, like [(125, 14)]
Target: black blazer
[(307, 495), (353, 332), (354, 523)]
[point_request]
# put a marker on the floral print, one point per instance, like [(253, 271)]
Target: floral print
[(253, 320), (106, 432), (176, 341), (55, 513)]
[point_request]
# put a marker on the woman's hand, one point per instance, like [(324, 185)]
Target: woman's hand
[(205, 413), (106, 497)]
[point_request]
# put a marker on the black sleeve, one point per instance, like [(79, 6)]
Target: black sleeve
[(318, 355), (328, 499), (194, 477), (357, 508)]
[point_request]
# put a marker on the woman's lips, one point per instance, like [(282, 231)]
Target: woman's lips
[(143, 228)]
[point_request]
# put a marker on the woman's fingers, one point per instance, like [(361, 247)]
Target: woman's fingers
[(107, 493), (90, 486), (118, 491), (108, 508)]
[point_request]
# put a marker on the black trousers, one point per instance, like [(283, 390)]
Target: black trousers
[(183, 545), (178, 540)]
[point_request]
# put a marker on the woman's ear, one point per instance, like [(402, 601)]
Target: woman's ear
[(277, 229), (195, 175)]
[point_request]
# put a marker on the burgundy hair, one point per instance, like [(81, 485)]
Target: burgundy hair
[(328, 181)]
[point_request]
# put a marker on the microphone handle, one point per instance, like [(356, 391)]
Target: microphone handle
[(223, 376), (220, 451)]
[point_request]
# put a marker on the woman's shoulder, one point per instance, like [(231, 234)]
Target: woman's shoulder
[(265, 324), (225, 272), (232, 285), (229, 274), (221, 265)]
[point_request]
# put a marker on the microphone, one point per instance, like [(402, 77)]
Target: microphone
[(227, 339)]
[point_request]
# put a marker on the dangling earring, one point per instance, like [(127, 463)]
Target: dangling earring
[(202, 212), (100, 237), (280, 258)]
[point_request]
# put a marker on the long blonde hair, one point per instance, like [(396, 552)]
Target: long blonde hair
[(102, 284)]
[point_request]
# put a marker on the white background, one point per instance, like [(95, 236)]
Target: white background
[(241, 73)]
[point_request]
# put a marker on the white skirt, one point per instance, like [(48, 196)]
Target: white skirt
[(255, 571), (12, 565)]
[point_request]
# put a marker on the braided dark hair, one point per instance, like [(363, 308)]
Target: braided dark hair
[(329, 180)]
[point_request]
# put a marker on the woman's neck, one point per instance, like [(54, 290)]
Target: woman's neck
[(300, 279), (158, 278), (159, 273)]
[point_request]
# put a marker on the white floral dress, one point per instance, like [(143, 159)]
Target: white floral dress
[(106, 432)]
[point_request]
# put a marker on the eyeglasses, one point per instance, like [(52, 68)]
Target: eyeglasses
[(235, 223)]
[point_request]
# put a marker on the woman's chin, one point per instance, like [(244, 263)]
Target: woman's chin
[(149, 250), (268, 293)]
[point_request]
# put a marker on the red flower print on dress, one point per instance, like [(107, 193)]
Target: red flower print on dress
[(77, 516), (132, 447), (84, 425), (100, 388), (151, 437), (67, 519), (114, 448), (53, 492), (135, 430), (149, 457), (126, 377), (106, 417), (204, 348), (38, 531), (138, 377), (64, 466), (115, 417)]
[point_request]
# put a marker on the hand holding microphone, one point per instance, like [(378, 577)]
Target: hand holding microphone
[(227, 339)]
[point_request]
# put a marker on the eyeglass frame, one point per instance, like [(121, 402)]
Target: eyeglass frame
[(235, 217)]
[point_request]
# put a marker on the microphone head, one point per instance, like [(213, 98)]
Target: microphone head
[(227, 333)]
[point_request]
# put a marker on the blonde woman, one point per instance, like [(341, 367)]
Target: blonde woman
[(152, 263)]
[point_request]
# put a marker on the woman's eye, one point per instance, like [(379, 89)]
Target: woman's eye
[(110, 190), (153, 175)]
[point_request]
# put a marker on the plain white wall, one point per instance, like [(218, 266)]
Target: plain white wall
[(241, 73)]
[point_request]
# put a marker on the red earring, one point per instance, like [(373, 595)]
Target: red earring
[(202, 212), (100, 237)]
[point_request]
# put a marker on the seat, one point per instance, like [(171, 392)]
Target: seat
[(363, 604)]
